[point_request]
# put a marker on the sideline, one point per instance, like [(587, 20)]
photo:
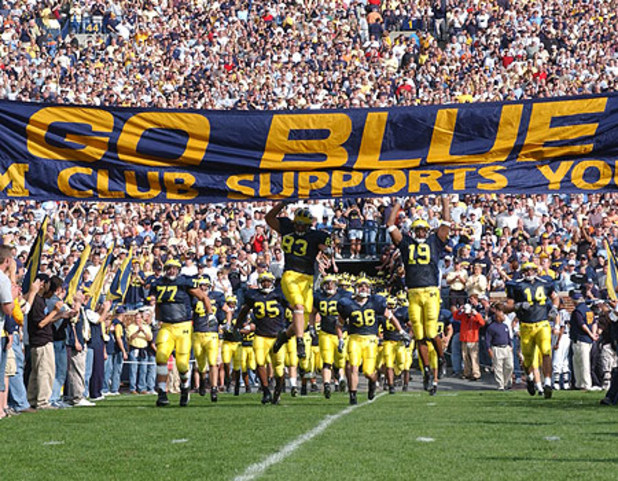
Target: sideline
[(257, 469)]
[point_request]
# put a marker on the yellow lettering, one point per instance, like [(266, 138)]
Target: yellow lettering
[(490, 173), (179, 190), (424, 177), (371, 146), (540, 130), (399, 181), (278, 144), (64, 182), (196, 126), (342, 180), (459, 177), (234, 183), (15, 175), (103, 186), (605, 174), (88, 148), (444, 129), (555, 177), (154, 186), (286, 191), (308, 181)]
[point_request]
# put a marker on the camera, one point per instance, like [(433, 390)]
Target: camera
[(467, 308)]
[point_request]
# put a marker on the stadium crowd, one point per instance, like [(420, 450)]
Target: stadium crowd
[(300, 55)]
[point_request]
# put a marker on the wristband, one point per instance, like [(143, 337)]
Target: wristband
[(391, 228), (445, 223)]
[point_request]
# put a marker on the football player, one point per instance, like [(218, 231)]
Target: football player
[(391, 343), (361, 313), (291, 357), (404, 354), (173, 293), (421, 253), (206, 336), (231, 340), (532, 298), (244, 359), (332, 347), (268, 305), (301, 245)]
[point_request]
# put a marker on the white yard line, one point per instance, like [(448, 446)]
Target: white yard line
[(257, 469)]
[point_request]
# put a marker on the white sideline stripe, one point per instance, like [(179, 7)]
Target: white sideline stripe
[(257, 469)]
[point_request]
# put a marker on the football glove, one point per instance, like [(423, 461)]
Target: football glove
[(340, 346)]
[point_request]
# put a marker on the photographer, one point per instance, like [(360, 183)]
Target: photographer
[(471, 322)]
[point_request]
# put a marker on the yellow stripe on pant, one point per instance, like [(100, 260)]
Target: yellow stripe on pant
[(175, 337)]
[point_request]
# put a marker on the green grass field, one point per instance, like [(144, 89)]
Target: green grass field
[(455, 435)]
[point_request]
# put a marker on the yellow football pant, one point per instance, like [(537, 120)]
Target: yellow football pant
[(534, 336), (205, 349), (298, 289), (263, 354), (363, 350), (175, 337), (228, 349), (291, 354), (328, 350), (244, 358), (424, 310)]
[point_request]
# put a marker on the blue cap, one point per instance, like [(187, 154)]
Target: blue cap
[(120, 310), (576, 295)]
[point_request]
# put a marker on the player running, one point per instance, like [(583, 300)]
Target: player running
[(206, 336), (532, 298), (173, 293), (361, 314), (301, 245), (421, 253), (268, 307), (332, 347)]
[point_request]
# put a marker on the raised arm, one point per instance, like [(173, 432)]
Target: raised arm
[(271, 216), (392, 229), (445, 225)]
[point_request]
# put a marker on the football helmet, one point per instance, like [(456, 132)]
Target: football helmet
[(329, 285), (303, 219), (266, 281), (420, 230)]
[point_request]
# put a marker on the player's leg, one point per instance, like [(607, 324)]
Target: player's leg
[(291, 361), (212, 352), (389, 354), (298, 290), (431, 307), (183, 356), (370, 355), (261, 348), (433, 365), (199, 351), (327, 352), (527, 352), (543, 343), (165, 346), (279, 372), (355, 358), (415, 313)]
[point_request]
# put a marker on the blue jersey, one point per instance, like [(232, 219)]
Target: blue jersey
[(268, 311), (204, 322), (536, 293), (301, 250), (327, 308), (362, 319), (421, 259), (173, 298)]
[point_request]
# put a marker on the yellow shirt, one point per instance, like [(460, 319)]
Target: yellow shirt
[(141, 340)]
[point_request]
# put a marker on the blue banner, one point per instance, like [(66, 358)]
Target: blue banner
[(119, 154)]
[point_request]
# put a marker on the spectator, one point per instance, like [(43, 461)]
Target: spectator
[(470, 323), (583, 331), (500, 351)]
